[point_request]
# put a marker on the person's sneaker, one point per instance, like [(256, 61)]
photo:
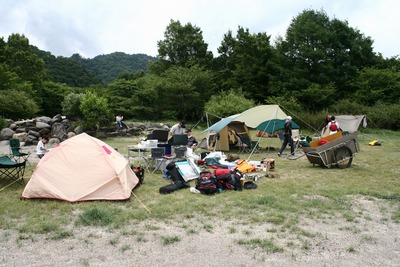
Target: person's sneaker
[(292, 154), (279, 154)]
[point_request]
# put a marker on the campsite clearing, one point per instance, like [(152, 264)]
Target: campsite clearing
[(310, 216)]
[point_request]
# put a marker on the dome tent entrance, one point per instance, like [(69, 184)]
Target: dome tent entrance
[(82, 168)]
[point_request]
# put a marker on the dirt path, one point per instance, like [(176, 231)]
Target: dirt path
[(371, 240)]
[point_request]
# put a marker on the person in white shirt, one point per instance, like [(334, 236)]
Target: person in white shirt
[(178, 128), (119, 120), (40, 148), (333, 126)]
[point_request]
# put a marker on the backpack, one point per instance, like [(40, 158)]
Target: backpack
[(207, 184), (139, 171), (231, 181), (333, 126)]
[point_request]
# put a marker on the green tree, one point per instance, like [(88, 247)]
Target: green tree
[(185, 91), (183, 46), (377, 85), (121, 95), (95, 109), (24, 62), (228, 103), (178, 92), (71, 105), (321, 51), (244, 63), (53, 96)]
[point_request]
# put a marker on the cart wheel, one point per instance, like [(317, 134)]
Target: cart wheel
[(344, 157)]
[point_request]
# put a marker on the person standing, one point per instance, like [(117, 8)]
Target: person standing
[(40, 148), (287, 137), (178, 128)]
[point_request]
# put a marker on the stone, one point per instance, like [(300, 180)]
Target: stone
[(6, 134)]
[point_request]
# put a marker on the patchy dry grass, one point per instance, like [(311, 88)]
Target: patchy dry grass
[(283, 215)]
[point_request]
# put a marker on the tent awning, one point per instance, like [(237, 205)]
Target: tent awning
[(268, 118), (218, 126)]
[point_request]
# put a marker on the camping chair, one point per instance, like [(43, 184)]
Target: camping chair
[(180, 152), (244, 145), (157, 157), (254, 147), (296, 138), (159, 134), (11, 171), (281, 136), (16, 152)]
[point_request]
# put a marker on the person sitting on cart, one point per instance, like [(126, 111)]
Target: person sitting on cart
[(287, 137)]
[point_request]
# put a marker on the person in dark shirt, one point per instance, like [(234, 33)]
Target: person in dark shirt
[(287, 137), (192, 142)]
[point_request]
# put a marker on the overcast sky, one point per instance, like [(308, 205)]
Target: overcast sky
[(95, 27)]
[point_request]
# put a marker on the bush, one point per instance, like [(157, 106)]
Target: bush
[(228, 103), (385, 116), (17, 104), (95, 110), (3, 123), (71, 104)]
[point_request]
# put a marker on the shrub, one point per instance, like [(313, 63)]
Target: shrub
[(385, 116), (17, 104), (228, 103), (95, 109), (71, 104)]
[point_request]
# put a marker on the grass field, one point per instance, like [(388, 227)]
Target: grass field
[(302, 192)]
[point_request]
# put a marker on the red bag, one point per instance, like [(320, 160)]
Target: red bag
[(323, 142), (220, 172)]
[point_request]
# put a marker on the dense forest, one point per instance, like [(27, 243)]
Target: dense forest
[(320, 66)]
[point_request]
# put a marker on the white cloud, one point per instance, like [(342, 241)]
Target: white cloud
[(94, 27)]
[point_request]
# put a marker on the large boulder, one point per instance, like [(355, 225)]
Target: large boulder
[(58, 131), (6, 134), (42, 125), (70, 134), (20, 136), (44, 119)]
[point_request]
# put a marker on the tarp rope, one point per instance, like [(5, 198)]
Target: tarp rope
[(370, 121), (260, 137), (17, 180), (141, 202), (300, 119)]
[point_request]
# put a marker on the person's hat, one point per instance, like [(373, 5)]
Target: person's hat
[(183, 123), (288, 118)]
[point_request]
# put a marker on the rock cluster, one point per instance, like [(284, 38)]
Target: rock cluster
[(59, 128)]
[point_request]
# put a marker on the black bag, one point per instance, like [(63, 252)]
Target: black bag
[(207, 184), (176, 185), (231, 181), (174, 173), (250, 185)]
